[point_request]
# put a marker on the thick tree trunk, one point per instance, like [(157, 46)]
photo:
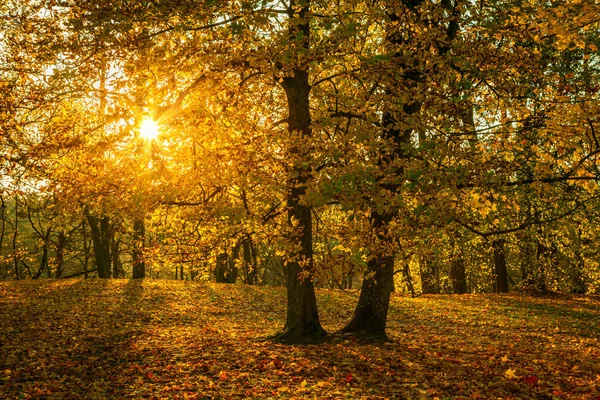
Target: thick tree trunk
[(101, 241), (302, 321), (139, 265), (370, 315), (500, 266)]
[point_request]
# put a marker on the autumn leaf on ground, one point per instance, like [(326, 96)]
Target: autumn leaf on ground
[(164, 339), (510, 373)]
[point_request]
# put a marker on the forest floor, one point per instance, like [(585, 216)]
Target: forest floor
[(116, 339)]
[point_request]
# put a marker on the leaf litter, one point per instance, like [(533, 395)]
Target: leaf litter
[(114, 339)]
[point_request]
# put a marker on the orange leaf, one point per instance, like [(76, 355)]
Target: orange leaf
[(223, 376)]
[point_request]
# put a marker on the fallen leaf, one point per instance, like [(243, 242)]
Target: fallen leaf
[(223, 376), (510, 373)]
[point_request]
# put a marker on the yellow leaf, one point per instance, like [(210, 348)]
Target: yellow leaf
[(504, 359), (303, 384), (510, 373)]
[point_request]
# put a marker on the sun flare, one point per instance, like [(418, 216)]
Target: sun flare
[(149, 129)]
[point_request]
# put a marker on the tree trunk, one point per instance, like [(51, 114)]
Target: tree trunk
[(458, 276), (500, 266), (579, 285), (249, 262), (139, 265), (117, 270), (225, 271), (409, 281), (370, 315), (14, 241), (101, 241), (3, 217), (44, 260), (429, 277), (302, 322), (60, 254), (539, 276), (86, 248)]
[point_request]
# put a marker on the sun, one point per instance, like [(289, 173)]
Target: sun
[(149, 129)]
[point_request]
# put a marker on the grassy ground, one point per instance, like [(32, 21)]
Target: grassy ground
[(101, 339)]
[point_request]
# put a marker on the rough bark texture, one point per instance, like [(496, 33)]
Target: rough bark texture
[(500, 266), (139, 234), (302, 321), (370, 315)]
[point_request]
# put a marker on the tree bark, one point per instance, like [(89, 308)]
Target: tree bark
[(86, 248), (302, 321), (249, 261), (60, 254), (44, 260), (370, 315), (100, 228), (500, 266), (139, 234), (225, 270), (117, 270), (14, 241), (429, 277), (3, 217), (458, 276)]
